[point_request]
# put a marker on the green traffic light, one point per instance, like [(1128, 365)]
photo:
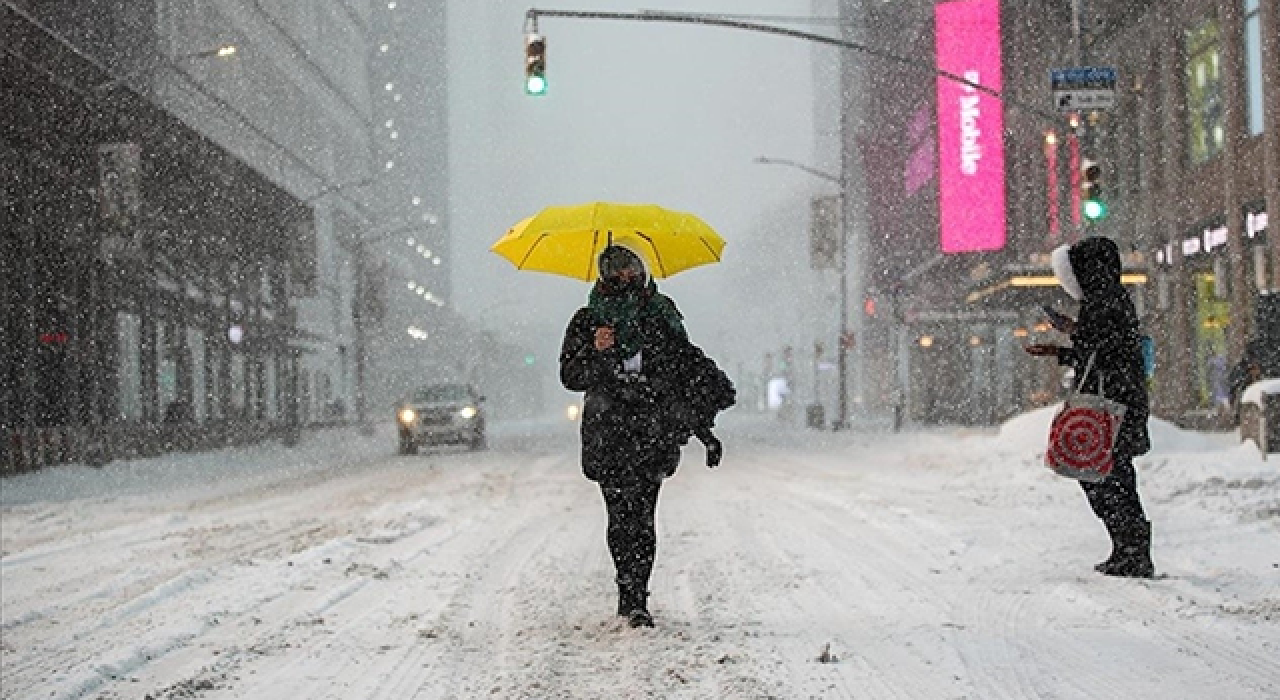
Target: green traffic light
[(530, 359), (535, 85), (1094, 209)]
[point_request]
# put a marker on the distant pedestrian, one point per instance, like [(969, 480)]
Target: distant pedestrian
[(648, 389), (1245, 372), (1108, 331)]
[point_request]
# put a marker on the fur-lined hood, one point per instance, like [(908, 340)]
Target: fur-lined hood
[(1060, 261)]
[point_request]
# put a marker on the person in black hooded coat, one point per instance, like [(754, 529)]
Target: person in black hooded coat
[(1108, 331), (647, 390)]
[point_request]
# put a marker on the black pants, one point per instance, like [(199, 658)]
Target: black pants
[(632, 536), (1115, 501)]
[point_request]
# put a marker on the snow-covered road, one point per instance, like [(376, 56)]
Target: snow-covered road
[(928, 565)]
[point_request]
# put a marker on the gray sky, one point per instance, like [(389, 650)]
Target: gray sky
[(645, 113)]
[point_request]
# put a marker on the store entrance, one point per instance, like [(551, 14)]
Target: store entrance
[(1211, 391)]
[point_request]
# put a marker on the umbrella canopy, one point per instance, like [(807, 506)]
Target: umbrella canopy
[(568, 240)]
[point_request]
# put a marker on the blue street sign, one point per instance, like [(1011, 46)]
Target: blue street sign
[(1076, 89), (1083, 79)]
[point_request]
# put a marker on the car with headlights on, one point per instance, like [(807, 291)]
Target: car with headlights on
[(442, 414)]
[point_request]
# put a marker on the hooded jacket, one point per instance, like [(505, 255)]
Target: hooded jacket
[(1107, 330)]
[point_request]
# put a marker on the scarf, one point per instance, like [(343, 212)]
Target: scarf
[(629, 312)]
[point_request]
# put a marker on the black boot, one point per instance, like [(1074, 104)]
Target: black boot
[(640, 617), (1133, 560), (633, 604), (625, 599), (1114, 530)]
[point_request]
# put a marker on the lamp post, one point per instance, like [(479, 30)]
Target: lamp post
[(846, 336)]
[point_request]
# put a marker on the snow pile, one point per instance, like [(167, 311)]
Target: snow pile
[(1196, 473), (1028, 433)]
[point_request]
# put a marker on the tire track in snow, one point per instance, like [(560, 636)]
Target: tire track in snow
[(799, 538), (40, 664), (388, 669)]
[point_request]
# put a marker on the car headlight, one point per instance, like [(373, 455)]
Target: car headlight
[(407, 415), (468, 412)]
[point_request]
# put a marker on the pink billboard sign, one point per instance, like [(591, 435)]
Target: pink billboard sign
[(971, 196)]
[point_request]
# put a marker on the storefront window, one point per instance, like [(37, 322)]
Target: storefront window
[(1253, 65), (166, 365), (237, 380), (195, 341), (272, 406), (1212, 316), (216, 381), (1204, 91), (128, 367)]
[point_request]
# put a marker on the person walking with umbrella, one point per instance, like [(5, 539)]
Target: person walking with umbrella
[(647, 390), (1106, 336)]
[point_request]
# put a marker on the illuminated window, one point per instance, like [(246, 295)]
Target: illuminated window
[(1204, 91), (1253, 66)]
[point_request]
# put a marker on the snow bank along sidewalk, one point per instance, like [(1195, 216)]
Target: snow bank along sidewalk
[(240, 467), (1213, 501)]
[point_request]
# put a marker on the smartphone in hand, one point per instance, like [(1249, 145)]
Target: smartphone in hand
[(1060, 321)]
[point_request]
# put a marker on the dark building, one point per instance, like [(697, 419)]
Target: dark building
[(146, 274)]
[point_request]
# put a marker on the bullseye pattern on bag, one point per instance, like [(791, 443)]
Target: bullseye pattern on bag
[(1083, 434)]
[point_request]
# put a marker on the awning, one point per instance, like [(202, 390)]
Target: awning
[(1023, 286)]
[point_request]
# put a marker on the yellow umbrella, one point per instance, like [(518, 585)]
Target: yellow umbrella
[(567, 240)]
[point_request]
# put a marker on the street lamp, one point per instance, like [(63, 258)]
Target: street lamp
[(846, 338), (224, 51), (338, 187)]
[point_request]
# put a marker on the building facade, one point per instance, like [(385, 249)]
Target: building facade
[(147, 270), (1189, 170), (223, 285), (294, 102)]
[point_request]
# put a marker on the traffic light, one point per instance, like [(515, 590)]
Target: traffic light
[(1094, 207), (535, 64)]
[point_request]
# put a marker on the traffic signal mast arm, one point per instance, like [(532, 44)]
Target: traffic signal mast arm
[(531, 29)]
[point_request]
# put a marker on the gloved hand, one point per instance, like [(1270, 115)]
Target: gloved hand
[(715, 450)]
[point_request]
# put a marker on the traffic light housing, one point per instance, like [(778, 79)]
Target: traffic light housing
[(1091, 201), (535, 64)]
